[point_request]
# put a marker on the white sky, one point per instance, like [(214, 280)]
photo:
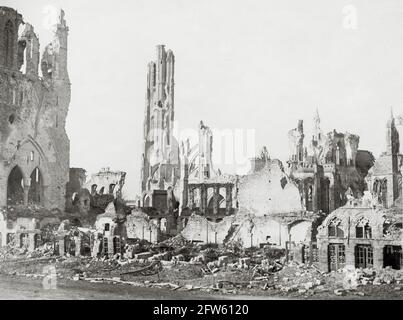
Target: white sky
[(239, 64)]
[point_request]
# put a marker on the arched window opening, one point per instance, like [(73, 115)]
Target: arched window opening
[(9, 44), (112, 188), (363, 229), (94, 189), (24, 240), (335, 230), (147, 202), (15, 190), (35, 193), (11, 118), (102, 190), (384, 192), (338, 155)]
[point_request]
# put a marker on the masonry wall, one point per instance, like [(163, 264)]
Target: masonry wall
[(139, 226), (33, 114)]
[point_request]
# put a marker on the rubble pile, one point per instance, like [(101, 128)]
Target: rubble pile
[(178, 264)]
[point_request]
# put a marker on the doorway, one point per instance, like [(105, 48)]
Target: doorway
[(364, 256), (337, 256), (392, 257)]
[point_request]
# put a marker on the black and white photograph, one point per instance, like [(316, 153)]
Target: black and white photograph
[(177, 150)]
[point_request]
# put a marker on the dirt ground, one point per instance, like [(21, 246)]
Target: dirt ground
[(22, 279)]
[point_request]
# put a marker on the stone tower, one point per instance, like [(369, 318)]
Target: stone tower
[(160, 159), (384, 178), (34, 147)]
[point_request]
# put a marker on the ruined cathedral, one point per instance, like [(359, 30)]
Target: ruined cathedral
[(34, 166)]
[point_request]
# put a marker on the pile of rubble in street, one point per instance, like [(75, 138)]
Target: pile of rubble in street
[(177, 264)]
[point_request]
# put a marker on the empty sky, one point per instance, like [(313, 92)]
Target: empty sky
[(255, 64)]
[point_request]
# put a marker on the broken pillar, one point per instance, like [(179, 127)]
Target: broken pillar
[(62, 247), (77, 241)]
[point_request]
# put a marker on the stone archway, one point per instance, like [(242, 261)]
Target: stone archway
[(15, 187)]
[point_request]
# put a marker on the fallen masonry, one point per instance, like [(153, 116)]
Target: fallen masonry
[(221, 271)]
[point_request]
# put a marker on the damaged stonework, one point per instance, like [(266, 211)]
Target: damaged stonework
[(384, 179), (140, 226), (24, 227), (249, 230), (367, 231), (160, 164), (34, 147), (90, 198), (108, 240), (106, 182), (269, 191), (73, 240), (325, 168), (358, 235)]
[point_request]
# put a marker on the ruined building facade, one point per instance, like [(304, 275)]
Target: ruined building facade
[(367, 232), (384, 179), (324, 167), (34, 147)]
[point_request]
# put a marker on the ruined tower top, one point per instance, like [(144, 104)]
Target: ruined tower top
[(392, 136), (10, 21), (159, 144)]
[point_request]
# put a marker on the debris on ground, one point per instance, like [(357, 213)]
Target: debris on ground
[(177, 264)]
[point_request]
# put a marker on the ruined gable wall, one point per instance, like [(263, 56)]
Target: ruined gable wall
[(139, 226), (262, 193), (199, 228)]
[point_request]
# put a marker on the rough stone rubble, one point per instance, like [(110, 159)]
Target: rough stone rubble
[(326, 221)]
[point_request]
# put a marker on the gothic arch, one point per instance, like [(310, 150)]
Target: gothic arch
[(15, 186), (25, 163)]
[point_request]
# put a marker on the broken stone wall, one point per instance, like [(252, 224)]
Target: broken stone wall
[(106, 182), (247, 230), (139, 226), (198, 228), (269, 191)]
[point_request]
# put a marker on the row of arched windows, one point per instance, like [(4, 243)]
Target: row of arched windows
[(362, 229)]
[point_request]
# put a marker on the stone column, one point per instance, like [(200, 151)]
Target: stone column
[(323, 247), (95, 247), (377, 256), (350, 254), (191, 198), (228, 199), (203, 199), (31, 242), (61, 247), (3, 186), (332, 204), (216, 204), (26, 191), (110, 246), (315, 191), (77, 241)]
